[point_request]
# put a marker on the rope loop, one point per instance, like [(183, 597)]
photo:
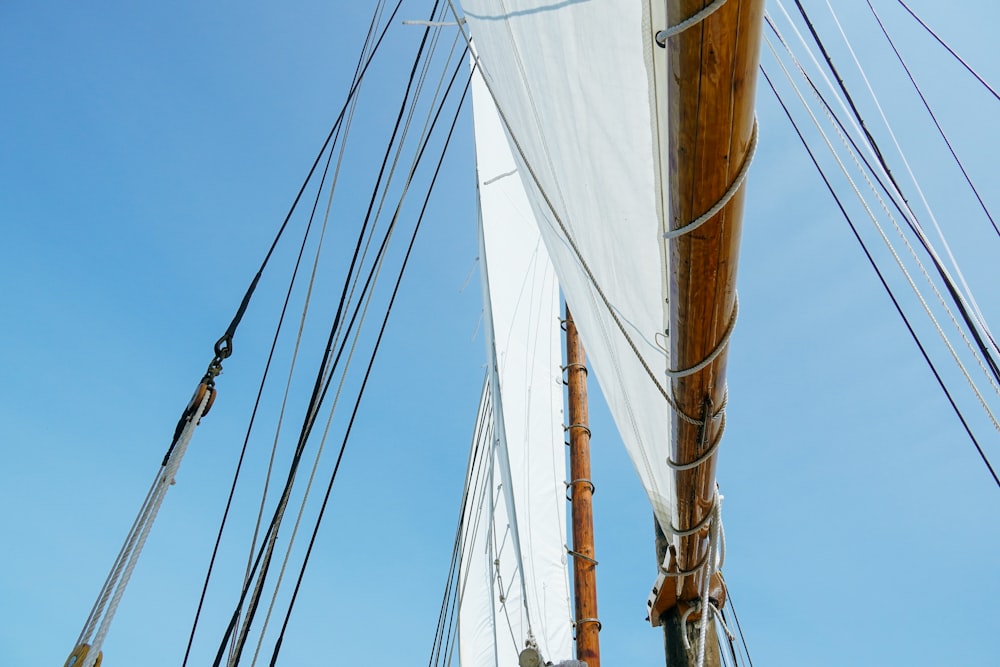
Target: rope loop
[(734, 187), (663, 35), (684, 372)]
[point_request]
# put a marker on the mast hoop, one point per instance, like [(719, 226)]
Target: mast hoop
[(580, 622), (734, 187), (581, 480), (684, 372), (663, 35)]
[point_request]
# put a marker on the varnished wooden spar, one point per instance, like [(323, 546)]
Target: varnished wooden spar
[(713, 68), (581, 488)]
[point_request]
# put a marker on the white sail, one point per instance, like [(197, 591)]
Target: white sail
[(585, 144), (514, 582)]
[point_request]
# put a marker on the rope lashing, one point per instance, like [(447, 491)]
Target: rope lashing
[(674, 465), (705, 520), (684, 372), (734, 187), (663, 35)]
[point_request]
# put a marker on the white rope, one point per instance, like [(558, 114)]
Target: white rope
[(663, 35), (136, 540), (734, 187)]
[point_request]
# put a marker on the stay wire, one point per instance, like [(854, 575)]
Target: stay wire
[(336, 129), (912, 220), (367, 375), (882, 279), (923, 99)]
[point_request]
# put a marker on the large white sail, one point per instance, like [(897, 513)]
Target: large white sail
[(585, 142), (514, 586)]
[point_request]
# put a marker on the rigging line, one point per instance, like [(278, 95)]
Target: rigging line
[(376, 270), (951, 51), (163, 480), (367, 375), (224, 346), (916, 184), (914, 224), (360, 70), (298, 339), (309, 418), (451, 580), (896, 256), (858, 154), (420, 142), (839, 127), (346, 132), (916, 87), (739, 628), (885, 284), (572, 242)]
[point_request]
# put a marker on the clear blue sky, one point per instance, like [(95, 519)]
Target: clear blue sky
[(146, 158)]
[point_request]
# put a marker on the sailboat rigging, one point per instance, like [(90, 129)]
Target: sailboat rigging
[(846, 476)]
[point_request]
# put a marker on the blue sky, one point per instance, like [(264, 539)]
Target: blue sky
[(149, 154)]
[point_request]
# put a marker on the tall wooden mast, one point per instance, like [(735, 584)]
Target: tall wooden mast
[(712, 79), (581, 488)]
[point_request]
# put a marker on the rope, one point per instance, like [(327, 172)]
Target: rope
[(663, 35), (734, 187), (128, 557), (685, 372)]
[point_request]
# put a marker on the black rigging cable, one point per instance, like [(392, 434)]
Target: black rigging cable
[(367, 374), (885, 284)]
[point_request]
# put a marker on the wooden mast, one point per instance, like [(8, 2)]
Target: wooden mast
[(582, 490), (712, 80)]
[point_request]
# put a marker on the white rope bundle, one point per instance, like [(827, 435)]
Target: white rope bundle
[(114, 587)]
